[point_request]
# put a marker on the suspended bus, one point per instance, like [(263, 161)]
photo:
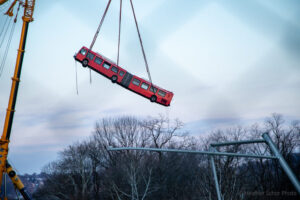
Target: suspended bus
[(111, 70)]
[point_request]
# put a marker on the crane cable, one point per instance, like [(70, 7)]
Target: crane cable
[(3, 7), (4, 30), (141, 43), (7, 49), (16, 170), (9, 42), (6, 19)]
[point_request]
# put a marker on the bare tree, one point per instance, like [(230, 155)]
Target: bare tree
[(87, 170), (162, 131), (268, 174), (125, 131), (71, 176), (229, 170)]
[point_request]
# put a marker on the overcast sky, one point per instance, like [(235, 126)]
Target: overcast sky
[(227, 62)]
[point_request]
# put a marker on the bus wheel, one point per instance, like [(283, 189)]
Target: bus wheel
[(153, 98), (114, 79), (85, 63)]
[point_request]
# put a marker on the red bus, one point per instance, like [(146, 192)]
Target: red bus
[(111, 70)]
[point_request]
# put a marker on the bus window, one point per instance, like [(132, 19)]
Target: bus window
[(121, 73), (161, 93), (98, 60), (83, 51), (145, 86), (90, 56), (106, 65), (154, 91), (114, 69), (136, 82)]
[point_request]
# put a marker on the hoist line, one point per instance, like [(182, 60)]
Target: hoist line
[(9, 42), (5, 32), (99, 27), (17, 193), (5, 6), (17, 12), (5, 184), (119, 39), (141, 43), (6, 19), (7, 49)]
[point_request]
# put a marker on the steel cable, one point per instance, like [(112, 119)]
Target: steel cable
[(5, 32), (6, 19), (7, 49), (5, 6), (9, 42)]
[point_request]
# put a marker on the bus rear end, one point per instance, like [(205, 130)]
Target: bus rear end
[(164, 97), (167, 99)]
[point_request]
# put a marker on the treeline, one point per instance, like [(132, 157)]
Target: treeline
[(88, 171)]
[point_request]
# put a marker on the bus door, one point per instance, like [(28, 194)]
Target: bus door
[(126, 79)]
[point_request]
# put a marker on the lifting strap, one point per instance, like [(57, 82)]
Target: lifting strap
[(120, 19), (142, 46), (99, 27), (97, 32), (119, 37), (76, 77)]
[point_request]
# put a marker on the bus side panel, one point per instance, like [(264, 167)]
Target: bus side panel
[(93, 65), (79, 57), (126, 79)]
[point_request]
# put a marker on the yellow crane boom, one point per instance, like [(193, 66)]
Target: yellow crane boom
[(3, 1), (4, 141)]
